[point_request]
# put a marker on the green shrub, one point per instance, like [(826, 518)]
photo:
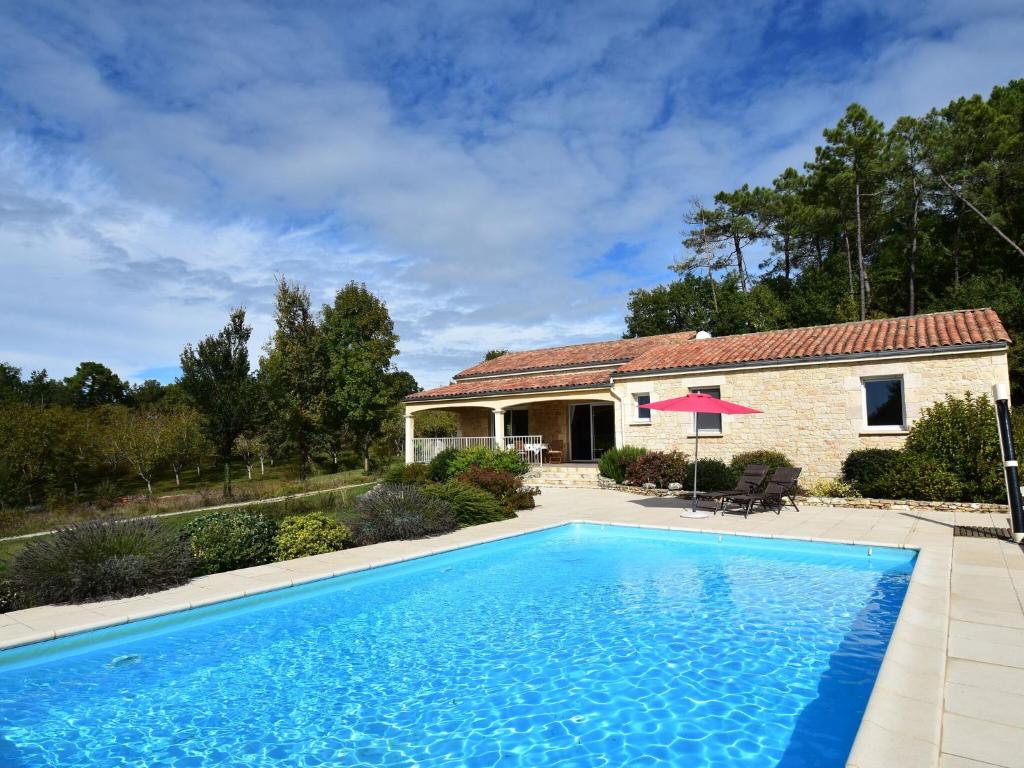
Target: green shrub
[(106, 493), (230, 539), (439, 469), (833, 489), (472, 505), (524, 499), (98, 560), (772, 459), (505, 486), (864, 468), (960, 435), (389, 512), (615, 461), (312, 534), (407, 474), (487, 458), (917, 477), (658, 467), (712, 475)]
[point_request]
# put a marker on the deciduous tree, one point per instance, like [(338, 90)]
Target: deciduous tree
[(215, 377)]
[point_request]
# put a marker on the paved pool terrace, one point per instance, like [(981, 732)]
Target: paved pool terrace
[(950, 692)]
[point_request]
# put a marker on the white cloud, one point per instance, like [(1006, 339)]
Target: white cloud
[(470, 162)]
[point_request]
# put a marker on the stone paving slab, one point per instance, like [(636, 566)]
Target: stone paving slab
[(947, 694)]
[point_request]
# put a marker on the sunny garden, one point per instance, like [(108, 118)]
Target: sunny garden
[(951, 454), (108, 558)]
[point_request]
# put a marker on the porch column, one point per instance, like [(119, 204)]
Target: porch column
[(410, 431), (499, 427)]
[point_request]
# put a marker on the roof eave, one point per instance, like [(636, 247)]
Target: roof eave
[(496, 392), (543, 369), (953, 348)]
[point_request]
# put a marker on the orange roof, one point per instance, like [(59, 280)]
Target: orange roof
[(940, 330), (522, 383), (594, 353), (680, 351)]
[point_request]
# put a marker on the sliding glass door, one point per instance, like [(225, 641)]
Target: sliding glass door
[(591, 431)]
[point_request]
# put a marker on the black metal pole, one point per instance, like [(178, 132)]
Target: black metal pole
[(1010, 470)]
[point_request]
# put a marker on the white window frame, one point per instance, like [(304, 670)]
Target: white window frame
[(721, 422), (639, 419), (883, 428)]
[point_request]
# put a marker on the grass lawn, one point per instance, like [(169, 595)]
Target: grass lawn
[(279, 481), (336, 504)]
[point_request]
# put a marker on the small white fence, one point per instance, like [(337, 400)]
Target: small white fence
[(530, 447)]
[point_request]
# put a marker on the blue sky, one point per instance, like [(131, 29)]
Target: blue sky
[(501, 173)]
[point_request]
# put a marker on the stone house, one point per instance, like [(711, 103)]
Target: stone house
[(824, 390)]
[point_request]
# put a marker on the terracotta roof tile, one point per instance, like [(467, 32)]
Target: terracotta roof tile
[(944, 329), (617, 351), (520, 383), (682, 351)]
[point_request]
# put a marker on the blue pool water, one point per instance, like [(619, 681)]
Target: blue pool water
[(584, 645)]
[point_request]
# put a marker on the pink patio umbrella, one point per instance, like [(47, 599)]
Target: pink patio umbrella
[(698, 402)]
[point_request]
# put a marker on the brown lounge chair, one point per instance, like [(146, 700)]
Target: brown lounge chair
[(781, 486), (750, 481)]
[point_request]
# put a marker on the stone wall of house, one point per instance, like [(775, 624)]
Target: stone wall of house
[(474, 422), (813, 413), (550, 420)]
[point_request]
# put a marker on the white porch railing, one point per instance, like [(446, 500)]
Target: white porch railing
[(531, 447)]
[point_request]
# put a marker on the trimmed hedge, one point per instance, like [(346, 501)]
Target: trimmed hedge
[(866, 468), (230, 539), (912, 476), (712, 475), (389, 512), (659, 468), (310, 534), (772, 459), (99, 560), (615, 461), (472, 505)]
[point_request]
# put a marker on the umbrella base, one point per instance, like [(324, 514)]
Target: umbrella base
[(695, 514)]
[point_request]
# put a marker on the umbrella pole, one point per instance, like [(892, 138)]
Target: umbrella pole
[(696, 453)]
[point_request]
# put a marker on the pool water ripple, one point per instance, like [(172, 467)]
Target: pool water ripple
[(581, 646)]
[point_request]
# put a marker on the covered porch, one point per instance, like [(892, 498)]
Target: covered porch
[(543, 428)]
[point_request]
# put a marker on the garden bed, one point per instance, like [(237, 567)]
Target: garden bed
[(839, 501)]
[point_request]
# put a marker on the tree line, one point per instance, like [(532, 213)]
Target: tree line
[(324, 386), (924, 215)]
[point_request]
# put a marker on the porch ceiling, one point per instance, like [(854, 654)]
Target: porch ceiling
[(532, 383)]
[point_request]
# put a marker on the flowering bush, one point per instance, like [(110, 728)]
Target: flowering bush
[(390, 512), (657, 467), (99, 560)]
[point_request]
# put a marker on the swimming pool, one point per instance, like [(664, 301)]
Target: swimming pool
[(583, 645)]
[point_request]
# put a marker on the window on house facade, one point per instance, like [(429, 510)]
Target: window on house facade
[(883, 403), (517, 422), (642, 414), (708, 423)]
